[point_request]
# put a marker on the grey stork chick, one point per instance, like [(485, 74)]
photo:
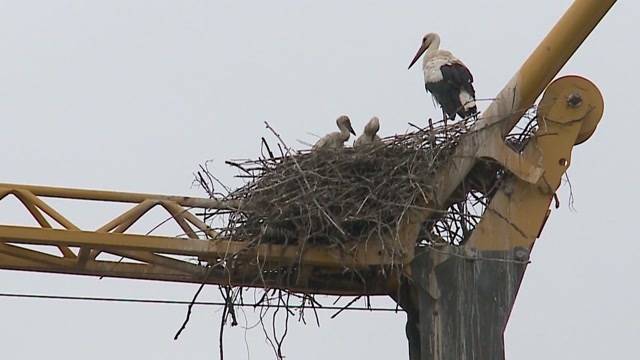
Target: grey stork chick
[(336, 140), (369, 137)]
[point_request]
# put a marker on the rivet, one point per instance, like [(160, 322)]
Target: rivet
[(574, 100)]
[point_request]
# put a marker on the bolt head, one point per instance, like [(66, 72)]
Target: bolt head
[(574, 100), (521, 254)]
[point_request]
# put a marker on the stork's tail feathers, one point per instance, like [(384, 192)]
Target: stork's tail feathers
[(468, 102)]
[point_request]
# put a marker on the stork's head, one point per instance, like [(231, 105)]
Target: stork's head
[(427, 40), (372, 126), (344, 123)]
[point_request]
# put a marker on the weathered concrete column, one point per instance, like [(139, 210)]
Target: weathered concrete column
[(461, 306)]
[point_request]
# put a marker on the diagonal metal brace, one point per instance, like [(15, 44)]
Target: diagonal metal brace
[(526, 169)]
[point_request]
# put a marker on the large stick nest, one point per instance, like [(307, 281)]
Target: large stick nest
[(341, 197), (349, 196)]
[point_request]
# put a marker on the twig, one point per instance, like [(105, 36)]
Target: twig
[(346, 306), (190, 307)]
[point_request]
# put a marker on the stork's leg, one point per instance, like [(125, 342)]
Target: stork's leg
[(444, 119)]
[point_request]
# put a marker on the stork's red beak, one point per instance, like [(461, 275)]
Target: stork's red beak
[(421, 51)]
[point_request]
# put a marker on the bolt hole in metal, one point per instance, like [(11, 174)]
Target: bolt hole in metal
[(574, 100), (563, 162)]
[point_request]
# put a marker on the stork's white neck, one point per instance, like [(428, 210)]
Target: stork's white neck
[(434, 45)]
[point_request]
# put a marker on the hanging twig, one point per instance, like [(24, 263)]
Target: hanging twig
[(190, 307)]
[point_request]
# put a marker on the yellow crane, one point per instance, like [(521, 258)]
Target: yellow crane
[(483, 275)]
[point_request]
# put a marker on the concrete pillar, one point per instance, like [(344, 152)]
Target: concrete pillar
[(458, 304)]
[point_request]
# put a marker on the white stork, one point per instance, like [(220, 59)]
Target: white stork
[(336, 140), (446, 78), (369, 137)]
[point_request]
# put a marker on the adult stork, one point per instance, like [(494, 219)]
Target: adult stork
[(446, 78), (336, 140)]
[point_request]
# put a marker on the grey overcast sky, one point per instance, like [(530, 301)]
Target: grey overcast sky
[(132, 95)]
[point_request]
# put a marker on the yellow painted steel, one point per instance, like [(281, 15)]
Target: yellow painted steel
[(569, 112), (160, 256), (515, 98), (537, 172), (556, 49), (544, 63), (114, 196), (28, 260)]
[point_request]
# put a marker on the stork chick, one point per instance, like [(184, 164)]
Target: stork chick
[(336, 140), (369, 137), (446, 78)]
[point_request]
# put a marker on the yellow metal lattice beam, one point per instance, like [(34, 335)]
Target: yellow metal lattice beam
[(160, 256)]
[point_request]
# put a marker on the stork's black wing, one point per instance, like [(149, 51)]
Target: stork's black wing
[(457, 75)]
